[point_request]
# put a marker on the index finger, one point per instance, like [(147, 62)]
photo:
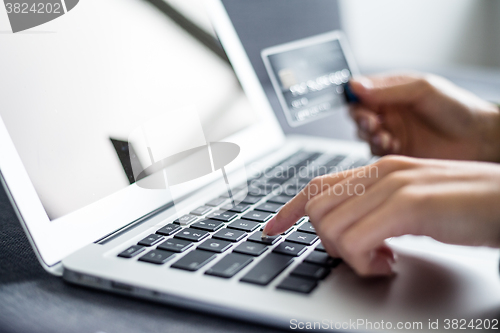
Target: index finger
[(295, 208), (287, 216)]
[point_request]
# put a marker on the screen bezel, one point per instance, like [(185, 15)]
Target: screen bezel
[(56, 239)]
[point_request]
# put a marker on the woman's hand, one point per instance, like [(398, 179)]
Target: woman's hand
[(353, 213), (425, 116)]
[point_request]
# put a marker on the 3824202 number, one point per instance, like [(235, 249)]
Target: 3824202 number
[(473, 324), (36, 8)]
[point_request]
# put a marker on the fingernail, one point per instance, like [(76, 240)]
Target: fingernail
[(371, 124), (396, 146), (363, 135), (382, 140), (385, 142), (362, 82), (364, 124), (268, 227), (367, 124), (382, 266), (389, 256)]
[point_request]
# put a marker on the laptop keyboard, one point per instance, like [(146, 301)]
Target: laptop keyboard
[(214, 229)]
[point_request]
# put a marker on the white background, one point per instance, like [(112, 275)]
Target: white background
[(423, 33), (412, 33)]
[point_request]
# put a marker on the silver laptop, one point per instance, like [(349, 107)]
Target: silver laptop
[(136, 165)]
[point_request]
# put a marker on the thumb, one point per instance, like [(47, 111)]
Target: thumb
[(390, 89)]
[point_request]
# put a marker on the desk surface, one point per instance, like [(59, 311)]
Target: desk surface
[(31, 300)]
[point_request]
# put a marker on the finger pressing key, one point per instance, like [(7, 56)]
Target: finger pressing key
[(295, 208), (287, 216)]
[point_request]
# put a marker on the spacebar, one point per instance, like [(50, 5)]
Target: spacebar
[(267, 269)]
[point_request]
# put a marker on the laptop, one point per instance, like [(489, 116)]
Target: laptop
[(137, 166)]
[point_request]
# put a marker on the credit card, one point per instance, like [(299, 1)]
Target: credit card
[(310, 76)]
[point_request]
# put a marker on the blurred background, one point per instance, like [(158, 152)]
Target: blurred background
[(423, 33), (410, 33)]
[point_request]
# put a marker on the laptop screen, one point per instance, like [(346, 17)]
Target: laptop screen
[(74, 90), (265, 24)]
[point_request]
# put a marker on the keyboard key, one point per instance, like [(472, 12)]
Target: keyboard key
[(257, 237), (267, 269), (258, 183), (257, 216), (305, 179), (185, 220), (208, 225), (214, 245), (302, 156), (279, 174), (158, 257), (151, 240), (216, 202), (260, 191), (359, 163), (316, 172), (194, 260), (226, 195), (302, 238), (192, 235), (313, 156), (300, 182), (279, 180), (308, 160), (175, 245), (286, 232), (230, 235), (221, 215), (320, 247), (237, 209), (280, 199), (269, 207), (290, 249), (250, 199), (335, 161), (298, 284), (302, 219), (240, 188), (201, 210), (251, 248), (291, 190), (168, 230), (307, 227), (229, 265), (311, 271), (131, 251), (322, 259), (244, 225)]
